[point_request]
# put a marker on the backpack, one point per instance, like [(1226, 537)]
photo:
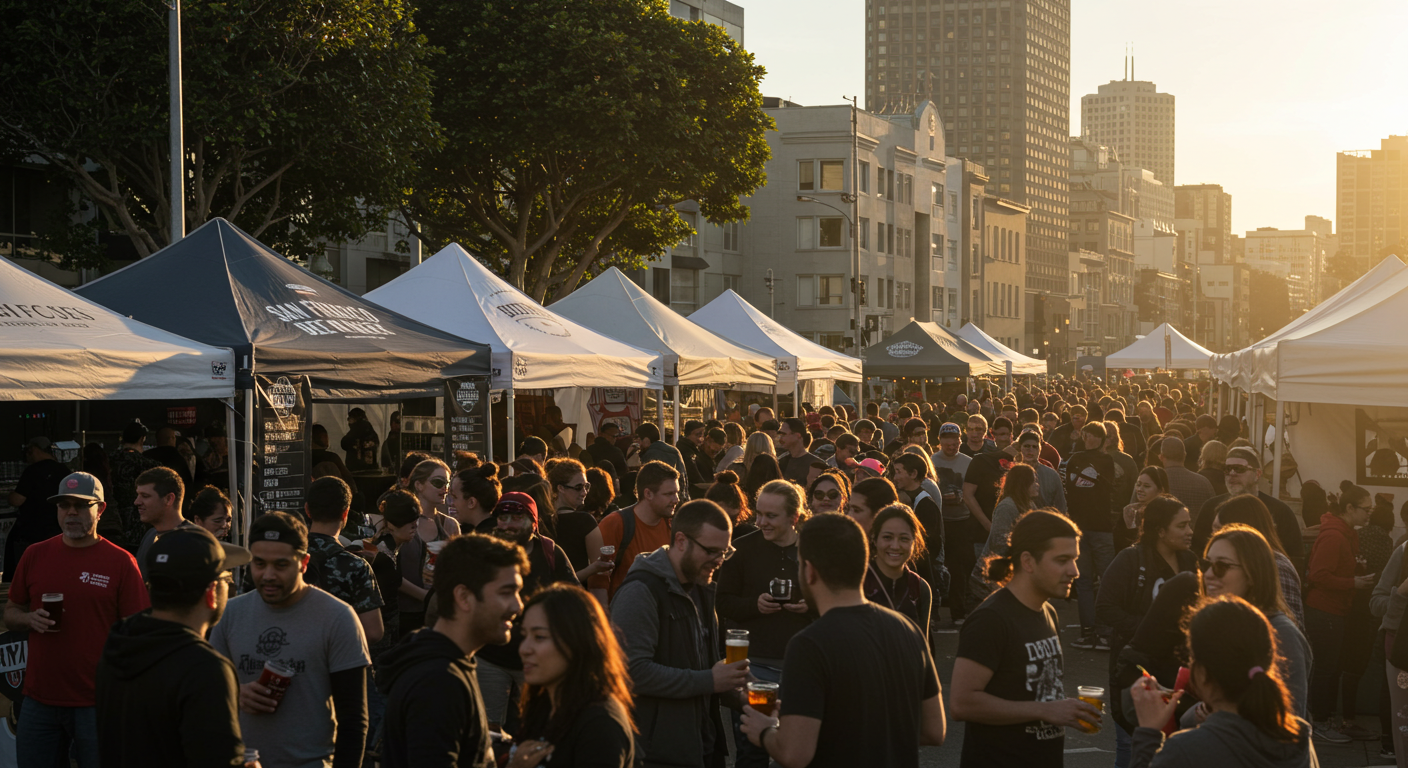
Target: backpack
[(628, 534), (549, 551)]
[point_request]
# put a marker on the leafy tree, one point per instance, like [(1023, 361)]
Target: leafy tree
[(573, 127), (296, 113)]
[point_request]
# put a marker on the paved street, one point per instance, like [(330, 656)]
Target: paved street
[(1098, 750)]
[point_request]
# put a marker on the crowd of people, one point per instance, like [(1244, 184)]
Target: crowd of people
[(761, 590)]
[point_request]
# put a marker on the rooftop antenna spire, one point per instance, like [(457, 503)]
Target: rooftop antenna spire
[(1131, 61), (1126, 61)]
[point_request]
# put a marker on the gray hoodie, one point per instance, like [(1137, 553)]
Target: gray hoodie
[(1225, 740), (1385, 600), (1053, 491), (671, 667)]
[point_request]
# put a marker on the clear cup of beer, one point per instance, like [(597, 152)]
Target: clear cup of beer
[(1095, 697), (736, 645), (763, 697)]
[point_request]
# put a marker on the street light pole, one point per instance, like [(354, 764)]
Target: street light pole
[(177, 148)]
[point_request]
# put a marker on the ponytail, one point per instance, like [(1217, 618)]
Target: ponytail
[(481, 483), (1034, 533), (1234, 644)]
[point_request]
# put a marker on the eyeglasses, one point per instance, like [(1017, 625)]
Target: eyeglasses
[(228, 579), (831, 495), (579, 487), (514, 517), (1232, 469), (714, 554), (439, 482), (1219, 568), (77, 504)]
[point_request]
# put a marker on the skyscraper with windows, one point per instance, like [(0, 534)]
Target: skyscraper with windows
[(999, 72), (1134, 119)]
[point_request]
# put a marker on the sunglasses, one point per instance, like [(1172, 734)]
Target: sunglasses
[(1219, 568), (831, 495), (579, 487), (439, 482), (513, 517), (714, 554), (1233, 469)]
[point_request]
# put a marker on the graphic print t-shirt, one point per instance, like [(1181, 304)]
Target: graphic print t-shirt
[(1023, 649), (950, 474), (317, 636), (1090, 477)]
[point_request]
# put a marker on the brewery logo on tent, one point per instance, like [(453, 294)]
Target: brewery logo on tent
[(283, 396), (526, 313), (904, 349), (467, 396), (217, 368), (303, 289)]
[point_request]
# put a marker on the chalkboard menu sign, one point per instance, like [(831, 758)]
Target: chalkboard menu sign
[(466, 417), (283, 441)]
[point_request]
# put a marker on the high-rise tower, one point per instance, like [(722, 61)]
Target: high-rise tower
[(1134, 119), (999, 72)]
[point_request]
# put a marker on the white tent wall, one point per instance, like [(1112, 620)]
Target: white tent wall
[(1323, 442)]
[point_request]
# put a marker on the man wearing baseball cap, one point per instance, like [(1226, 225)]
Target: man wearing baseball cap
[(321, 719), (1243, 475), (500, 668), (158, 668), (68, 591)]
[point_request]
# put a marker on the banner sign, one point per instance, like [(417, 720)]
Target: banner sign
[(466, 417), (283, 443)]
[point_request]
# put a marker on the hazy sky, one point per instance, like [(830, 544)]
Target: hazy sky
[(1267, 92)]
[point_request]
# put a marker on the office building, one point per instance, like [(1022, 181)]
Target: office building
[(1000, 74), (1134, 119), (1295, 253), (720, 12), (1211, 208), (1371, 200)]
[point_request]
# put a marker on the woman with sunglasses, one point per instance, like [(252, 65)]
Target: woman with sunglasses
[(1233, 657), (757, 591), (897, 540), (568, 481), (1151, 483), (829, 492), (428, 482), (1332, 579), (1247, 509)]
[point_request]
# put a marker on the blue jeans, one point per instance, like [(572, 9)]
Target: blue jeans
[(46, 734), (749, 756), (1097, 549), (1124, 744), (376, 715)]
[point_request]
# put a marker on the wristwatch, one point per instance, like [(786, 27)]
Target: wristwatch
[(763, 737)]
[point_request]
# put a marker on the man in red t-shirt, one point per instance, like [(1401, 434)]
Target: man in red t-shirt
[(97, 583)]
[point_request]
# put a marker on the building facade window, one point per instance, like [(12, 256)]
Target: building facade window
[(863, 232), (821, 175), (730, 229), (684, 288)]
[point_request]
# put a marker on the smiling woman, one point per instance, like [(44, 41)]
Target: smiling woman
[(896, 540)]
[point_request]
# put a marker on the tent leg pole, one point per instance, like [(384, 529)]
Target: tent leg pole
[(231, 466), (774, 401), (796, 399), (512, 425), (488, 426), (660, 410), (250, 398), (677, 414), (1280, 441)]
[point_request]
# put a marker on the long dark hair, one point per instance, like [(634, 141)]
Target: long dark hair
[(601, 495), (1247, 509), (1158, 515), (1159, 475), (596, 672), (763, 471), (1017, 485), (1258, 563), (898, 511), (1234, 644), (1033, 533)]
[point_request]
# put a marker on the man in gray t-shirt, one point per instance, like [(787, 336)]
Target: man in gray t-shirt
[(322, 720), (961, 531)]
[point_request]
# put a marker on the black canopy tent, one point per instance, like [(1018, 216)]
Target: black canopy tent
[(285, 323), (927, 351)]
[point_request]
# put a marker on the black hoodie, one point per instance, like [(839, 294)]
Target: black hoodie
[(434, 712), (166, 697)]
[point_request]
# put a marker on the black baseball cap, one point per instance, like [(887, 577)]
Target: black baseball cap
[(191, 557), (1029, 435), (281, 527)]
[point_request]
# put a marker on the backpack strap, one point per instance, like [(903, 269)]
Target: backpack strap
[(549, 552), (628, 534), (660, 592)]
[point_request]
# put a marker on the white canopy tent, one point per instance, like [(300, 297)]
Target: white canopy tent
[(532, 347), (693, 356), (798, 359), (1164, 347), (60, 346), (1339, 358), (1018, 363)]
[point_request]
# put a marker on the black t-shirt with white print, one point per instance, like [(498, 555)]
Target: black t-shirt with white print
[(1022, 647)]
